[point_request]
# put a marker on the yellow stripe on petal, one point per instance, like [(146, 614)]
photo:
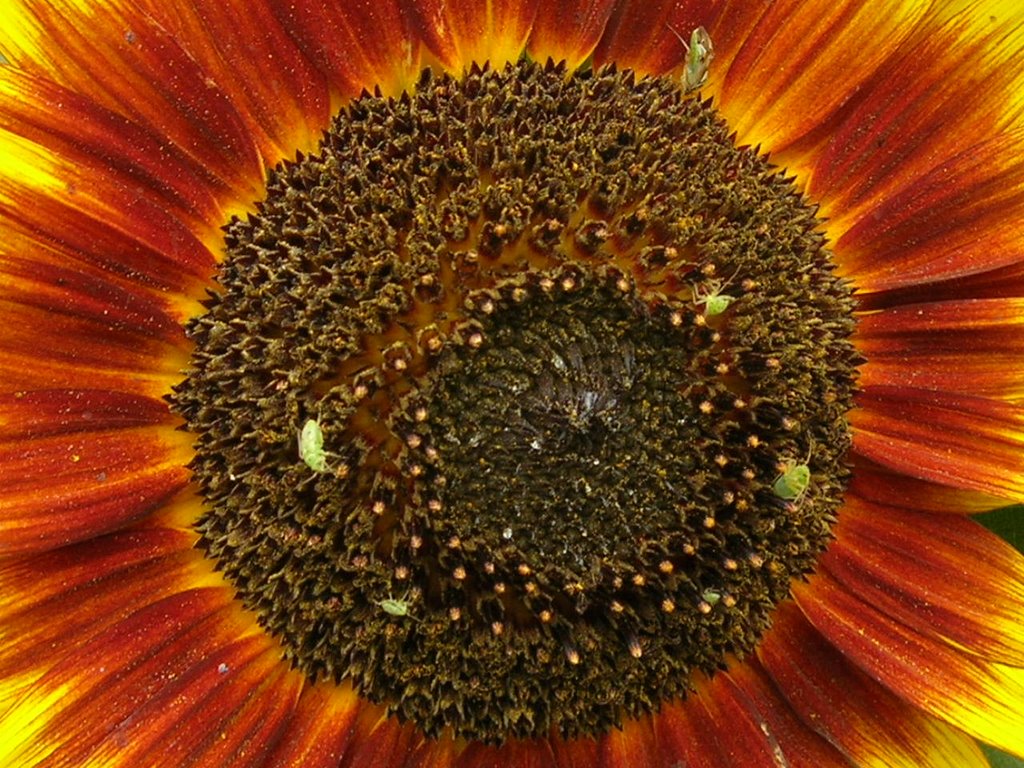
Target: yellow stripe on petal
[(21, 728), (32, 165), (984, 699), (461, 32)]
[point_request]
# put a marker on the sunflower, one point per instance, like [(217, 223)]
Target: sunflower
[(510, 383)]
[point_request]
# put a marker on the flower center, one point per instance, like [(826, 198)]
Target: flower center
[(522, 400)]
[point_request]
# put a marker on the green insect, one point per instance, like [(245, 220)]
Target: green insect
[(715, 302), (711, 596), (396, 606), (699, 54), (794, 480), (311, 446)]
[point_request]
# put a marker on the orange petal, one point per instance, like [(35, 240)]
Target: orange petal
[(722, 723), (933, 219), (114, 651), (798, 65), (356, 45), (635, 745), (460, 32), (800, 745), (650, 36), (93, 140), (863, 720), (127, 62), (965, 346), (984, 699), (380, 741), (58, 601), (688, 734), (122, 689), (883, 486), (944, 576), (946, 438), (922, 179), (80, 463), (242, 47), (568, 30), (532, 754), (319, 733)]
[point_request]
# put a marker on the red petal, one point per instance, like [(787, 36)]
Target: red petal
[(126, 61), (59, 600), (984, 699), (877, 484), (943, 576), (77, 465), (243, 47), (867, 723), (799, 745), (644, 35), (460, 32), (798, 63), (101, 142), (949, 439), (319, 732), (933, 221), (972, 346), (718, 725), (357, 45), (533, 754), (921, 175), (569, 30)]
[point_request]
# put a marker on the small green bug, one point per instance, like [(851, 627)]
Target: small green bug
[(311, 446), (715, 302), (711, 596), (793, 481), (396, 606), (699, 54)]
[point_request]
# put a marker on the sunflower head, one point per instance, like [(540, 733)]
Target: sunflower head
[(485, 399), (525, 408)]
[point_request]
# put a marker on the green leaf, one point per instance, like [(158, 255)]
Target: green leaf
[(1000, 759), (1007, 522)]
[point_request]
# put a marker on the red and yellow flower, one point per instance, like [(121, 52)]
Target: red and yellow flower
[(133, 131)]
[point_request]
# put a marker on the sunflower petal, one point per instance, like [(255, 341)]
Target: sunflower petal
[(722, 723), (949, 439), (945, 577), (460, 32), (957, 346), (797, 66), (984, 699), (356, 45), (124, 60), (80, 463), (319, 733), (88, 586), (650, 36), (111, 689), (799, 745), (377, 739), (867, 723), (568, 30), (877, 484), (243, 48), (922, 179)]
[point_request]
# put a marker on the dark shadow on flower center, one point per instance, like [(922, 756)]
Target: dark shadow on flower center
[(522, 401)]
